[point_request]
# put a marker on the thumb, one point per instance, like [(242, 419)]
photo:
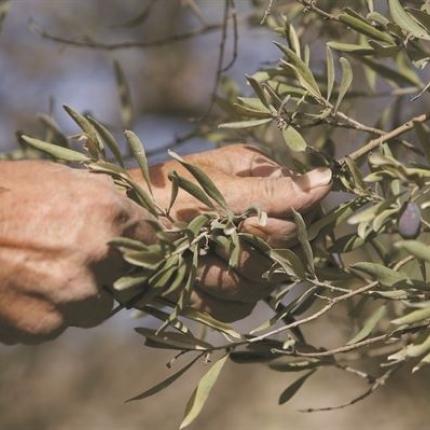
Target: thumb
[(279, 195)]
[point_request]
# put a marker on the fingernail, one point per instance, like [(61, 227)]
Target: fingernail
[(319, 177)]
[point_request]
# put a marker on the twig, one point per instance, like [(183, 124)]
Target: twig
[(317, 314), (267, 11), (407, 126), (235, 37), (379, 382), (92, 44)]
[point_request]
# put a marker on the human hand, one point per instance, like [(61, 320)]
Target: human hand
[(55, 225), (245, 177)]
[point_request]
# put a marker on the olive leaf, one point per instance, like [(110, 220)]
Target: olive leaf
[(56, 151), (201, 393), (204, 181), (293, 139), (369, 325), (346, 81), (138, 151), (290, 391), (406, 21), (165, 383)]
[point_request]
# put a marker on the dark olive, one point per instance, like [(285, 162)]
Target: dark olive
[(409, 224)]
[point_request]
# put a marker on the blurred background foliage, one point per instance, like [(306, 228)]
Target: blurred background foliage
[(82, 379)]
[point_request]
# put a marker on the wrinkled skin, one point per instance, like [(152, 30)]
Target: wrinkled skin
[(56, 222)]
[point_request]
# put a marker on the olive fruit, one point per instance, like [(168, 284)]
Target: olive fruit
[(409, 223)]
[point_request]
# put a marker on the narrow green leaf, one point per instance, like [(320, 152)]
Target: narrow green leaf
[(165, 383), (330, 71), (413, 317), (245, 124), (369, 325), (304, 241), (124, 95), (351, 48), (204, 181), (416, 248), (303, 72), (138, 151), (209, 321), (404, 20), (378, 272), (346, 81), (290, 391), (56, 151), (359, 24), (126, 282), (294, 139), (295, 366), (259, 91), (107, 139), (201, 393), (191, 188), (93, 143)]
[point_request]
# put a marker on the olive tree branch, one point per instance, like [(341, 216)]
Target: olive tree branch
[(131, 44), (374, 143)]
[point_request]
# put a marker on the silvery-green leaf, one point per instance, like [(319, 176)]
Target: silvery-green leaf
[(293, 40), (93, 143), (201, 393), (294, 139), (56, 151), (346, 81), (422, 17), (290, 391), (351, 48), (413, 317), (304, 241), (406, 21), (367, 214), (126, 282), (369, 325), (304, 74), (347, 243), (330, 71), (360, 24), (423, 362), (335, 217), (416, 248), (107, 139), (412, 351), (209, 321), (380, 273), (382, 217), (191, 188), (290, 261), (295, 366), (165, 383), (124, 96), (259, 90), (128, 243), (204, 181), (246, 124), (138, 151)]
